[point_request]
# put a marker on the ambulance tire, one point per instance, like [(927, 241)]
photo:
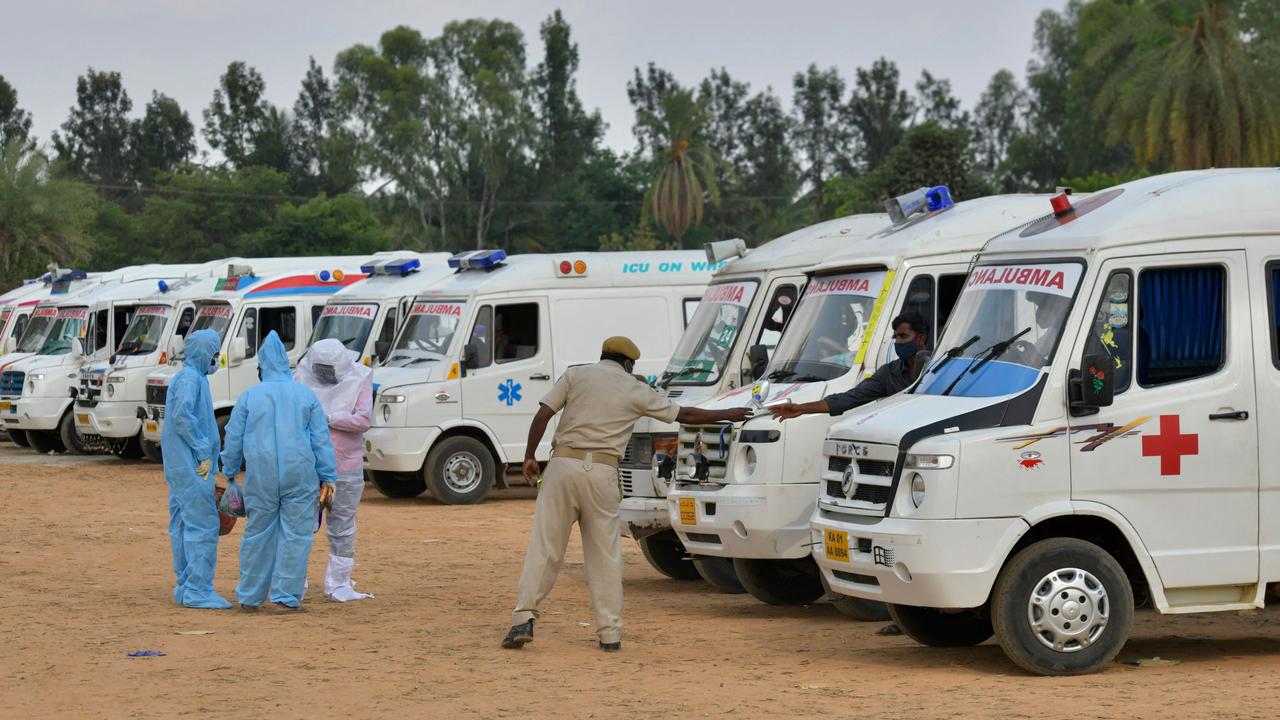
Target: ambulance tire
[(667, 555), (152, 451), (719, 573), (1057, 584), (781, 582), (860, 609), (398, 485), (46, 441), (460, 471), (70, 436), (19, 438), (940, 628), (130, 449)]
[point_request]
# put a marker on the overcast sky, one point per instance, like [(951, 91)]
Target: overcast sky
[(180, 47)]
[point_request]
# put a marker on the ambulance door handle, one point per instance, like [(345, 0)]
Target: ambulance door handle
[(1233, 415), (540, 376)]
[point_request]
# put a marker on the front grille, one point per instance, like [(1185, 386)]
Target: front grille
[(674, 393), (833, 489), (716, 451), (856, 578), (11, 382), (874, 494), (90, 389), (629, 455), (156, 394), (879, 468), (704, 538), (838, 464), (627, 485)]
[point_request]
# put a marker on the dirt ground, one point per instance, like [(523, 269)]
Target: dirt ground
[(85, 579)]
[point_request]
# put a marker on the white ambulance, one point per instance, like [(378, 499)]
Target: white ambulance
[(112, 392), (460, 386), (1092, 437), (727, 345), (243, 310), (747, 492), (18, 310), (366, 316), (16, 307), (82, 327)]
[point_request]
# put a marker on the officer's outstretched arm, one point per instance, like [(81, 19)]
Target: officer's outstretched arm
[(698, 416), (537, 429)]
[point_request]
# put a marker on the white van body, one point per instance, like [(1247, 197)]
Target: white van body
[(760, 486), (112, 399), (747, 304), (1016, 504), (16, 307), (243, 312), (367, 315), (470, 423)]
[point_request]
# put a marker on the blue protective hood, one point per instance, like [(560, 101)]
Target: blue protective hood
[(273, 360), (201, 347)]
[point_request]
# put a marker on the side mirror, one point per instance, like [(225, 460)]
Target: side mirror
[(471, 356), (238, 350), (381, 349), (759, 357), (1092, 386), (77, 347)]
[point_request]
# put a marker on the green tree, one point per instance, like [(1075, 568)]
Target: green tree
[(568, 135), (768, 180), (94, 142), (325, 156), (162, 140), (645, 91), (342, 225), (15, 123), (927, 155), (822, 138), (1182, 86), (997, 121), (936, 104), (879, 110), (686, 170), (43, 218), (237, 114)]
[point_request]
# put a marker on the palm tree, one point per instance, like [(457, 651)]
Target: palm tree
[(1184, 88), (42, 218), (686, 166)]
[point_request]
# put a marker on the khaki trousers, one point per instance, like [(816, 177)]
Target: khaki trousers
[(586, 493)]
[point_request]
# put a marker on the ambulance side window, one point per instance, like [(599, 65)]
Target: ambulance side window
[(949, 288), (98, 335), (515, 332), (1273, 301), (284, 320), (315, 314), (184, 321), (920, 301), (388, 332), (20, 325), (249, 329), (777, 315), (690, 307), (482, 337), (1112, 331), (123, 317), (1182, 315)]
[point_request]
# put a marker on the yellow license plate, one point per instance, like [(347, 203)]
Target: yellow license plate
[(4, 406), (836, 545), (152, 427), (82, 419), (688, 511)]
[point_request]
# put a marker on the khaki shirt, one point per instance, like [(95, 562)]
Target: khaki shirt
[(601, 404)]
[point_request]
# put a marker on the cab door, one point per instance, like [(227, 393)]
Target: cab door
[(1177, 452), (513, 369)]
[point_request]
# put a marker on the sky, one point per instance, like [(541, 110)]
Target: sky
[(181, 47)]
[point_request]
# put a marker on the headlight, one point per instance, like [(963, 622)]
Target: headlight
[(917, 489), (748, 461), (386, 413), (929, 462), (116, 379), (666, 444), (36, 376), (111, 391), (391, 398)]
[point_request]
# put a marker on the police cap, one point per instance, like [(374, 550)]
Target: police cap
[(619, 345)]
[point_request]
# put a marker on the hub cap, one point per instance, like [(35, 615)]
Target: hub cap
[(1068, 610), (462, 472)]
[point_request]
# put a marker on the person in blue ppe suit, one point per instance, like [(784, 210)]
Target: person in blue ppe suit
[(190, 444), (278, 428)]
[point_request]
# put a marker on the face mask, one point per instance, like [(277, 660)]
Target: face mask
[(325, 374), (213, 366), (906, 350)]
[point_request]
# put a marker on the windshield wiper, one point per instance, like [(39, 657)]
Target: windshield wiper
[(995, 351), (953, 353), (421, 359), (780, 374), (807, 378)]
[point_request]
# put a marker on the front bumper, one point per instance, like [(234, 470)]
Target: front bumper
[(35, 413), (110, 419), (766, 522), (924, 563), (153, 425), (642, 516), (398, 449)]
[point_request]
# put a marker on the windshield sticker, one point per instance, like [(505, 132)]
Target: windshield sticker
[(865, 284), (215, 311), (154, 310), (442, 309), (876, 309), (730, 293), (1058, 279), (46, 312), (509, 392), (1169, 445), (73, 314), (364, 311)]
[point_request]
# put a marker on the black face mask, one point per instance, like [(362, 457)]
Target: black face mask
[(326, 374)]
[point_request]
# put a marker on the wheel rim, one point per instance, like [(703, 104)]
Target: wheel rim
[(1068, 610), (462, 473)]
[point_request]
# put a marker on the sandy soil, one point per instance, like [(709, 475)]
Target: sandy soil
[(82, 586)]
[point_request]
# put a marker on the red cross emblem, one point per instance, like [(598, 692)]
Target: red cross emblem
[(1170, 445)]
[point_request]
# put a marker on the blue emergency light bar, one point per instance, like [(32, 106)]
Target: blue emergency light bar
[(929, 199), (164, 286), (477, 260), (391, 266)]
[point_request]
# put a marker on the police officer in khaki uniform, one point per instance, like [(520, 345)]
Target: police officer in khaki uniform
[(600, 404)]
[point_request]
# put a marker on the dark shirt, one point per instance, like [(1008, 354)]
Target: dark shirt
[(888, 379)]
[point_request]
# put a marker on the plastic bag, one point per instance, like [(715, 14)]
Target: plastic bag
[(232, 501), (225, 522)]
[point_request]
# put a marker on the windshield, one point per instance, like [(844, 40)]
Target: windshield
[(427, 333), (704, 347), (212, 317), (37, 330), (1004, 329), (69, 324), (144, 332), (830, 329), (349, 324)]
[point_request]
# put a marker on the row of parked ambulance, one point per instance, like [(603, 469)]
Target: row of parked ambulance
[(1081, 346)]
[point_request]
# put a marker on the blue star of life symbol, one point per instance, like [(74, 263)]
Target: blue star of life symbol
[(509, 392), (651, 379)]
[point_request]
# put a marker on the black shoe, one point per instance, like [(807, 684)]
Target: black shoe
[(518, 636), (248, 608), (611, 647)]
